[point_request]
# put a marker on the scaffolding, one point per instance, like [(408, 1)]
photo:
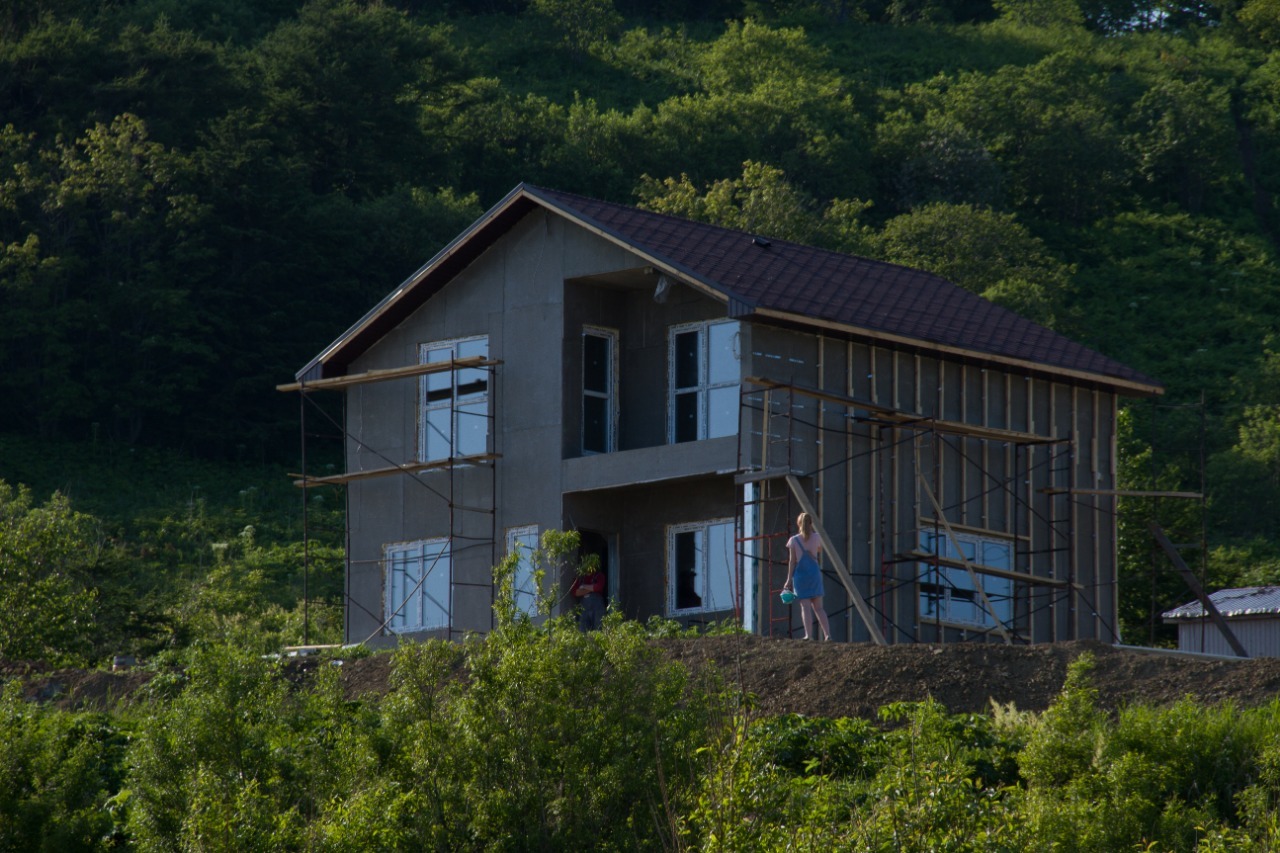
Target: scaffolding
[(453, 464), (1035, 484)]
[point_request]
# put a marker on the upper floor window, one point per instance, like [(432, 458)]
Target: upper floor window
[(701, 567), (523, 542), (599, 390), (705, 369), (454, 420), (416, 585), (948, 594)]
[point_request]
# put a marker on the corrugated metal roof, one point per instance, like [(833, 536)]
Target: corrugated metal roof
[(1247, 601)]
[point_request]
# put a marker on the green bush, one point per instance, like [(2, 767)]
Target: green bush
[(58, 771)]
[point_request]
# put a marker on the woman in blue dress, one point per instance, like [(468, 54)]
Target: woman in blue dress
[(804, 575)]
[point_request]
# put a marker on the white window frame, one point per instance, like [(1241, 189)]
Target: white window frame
[(523, 541), (947, 593), (467, 411), (714, 539), (417, 585), (711, 383), (609, 395)]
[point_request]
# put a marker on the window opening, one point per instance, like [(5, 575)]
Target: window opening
[(523, 541), (701, 567), (947, 593), (705, 368), (599, 390), (417, 585), (455, 403)]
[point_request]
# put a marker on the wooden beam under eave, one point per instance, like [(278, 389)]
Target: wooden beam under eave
[(304, 482), (879, 337), (389, 373)]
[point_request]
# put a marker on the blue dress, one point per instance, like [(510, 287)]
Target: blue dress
[(806, 580)]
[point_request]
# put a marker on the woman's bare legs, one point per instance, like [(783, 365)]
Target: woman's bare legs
[(816, 604), (809, 609)]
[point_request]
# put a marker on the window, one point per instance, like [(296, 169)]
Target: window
[(705, 371), (523, 541), (455, 403), (417, 585), (948, 594), (599, 390), (701, 568)]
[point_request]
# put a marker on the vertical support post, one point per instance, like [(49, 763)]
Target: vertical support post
[(1071, 537), (306, 541)]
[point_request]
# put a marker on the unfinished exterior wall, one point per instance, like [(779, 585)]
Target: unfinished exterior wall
[(906, 456), (882, 484)]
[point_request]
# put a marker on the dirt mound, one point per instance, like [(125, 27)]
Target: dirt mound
[(821, 679), (846, 680)]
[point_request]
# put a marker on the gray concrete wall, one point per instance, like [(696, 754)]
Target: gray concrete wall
[(639, 516), (514, 294)]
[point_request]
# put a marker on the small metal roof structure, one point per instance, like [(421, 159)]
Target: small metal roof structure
[(1246, 601), (764, 279)]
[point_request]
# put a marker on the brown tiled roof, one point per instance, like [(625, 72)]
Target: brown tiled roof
[(764, 278), (819, 285)]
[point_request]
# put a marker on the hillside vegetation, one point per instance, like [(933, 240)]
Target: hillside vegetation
[(197, 197), (630, 739)]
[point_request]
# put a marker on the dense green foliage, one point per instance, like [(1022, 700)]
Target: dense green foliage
[(196, 197), (167, 552), (549, 739)]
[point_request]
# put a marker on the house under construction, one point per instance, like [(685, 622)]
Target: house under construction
[(677, 393)]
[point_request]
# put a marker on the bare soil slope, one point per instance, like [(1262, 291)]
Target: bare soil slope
[(828, 679)]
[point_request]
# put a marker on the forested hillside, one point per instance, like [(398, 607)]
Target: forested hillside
[(196, 196)]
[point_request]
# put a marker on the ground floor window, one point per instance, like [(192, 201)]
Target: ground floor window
[(417, 585), (948, 594), (523, 541), (701, 567)]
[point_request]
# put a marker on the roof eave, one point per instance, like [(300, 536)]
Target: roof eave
[(340, 351), (687, 276), (1129, 387)]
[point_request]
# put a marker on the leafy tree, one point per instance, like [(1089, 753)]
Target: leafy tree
[(341, 88), (47, 558), (205, 771), (990, 253), (1050, 127), (582, 24), (104, 330), (1041, 13), (60, 770), (762, 201), (1261, 18), (934, 159), (767, 96), (1182, 132)]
